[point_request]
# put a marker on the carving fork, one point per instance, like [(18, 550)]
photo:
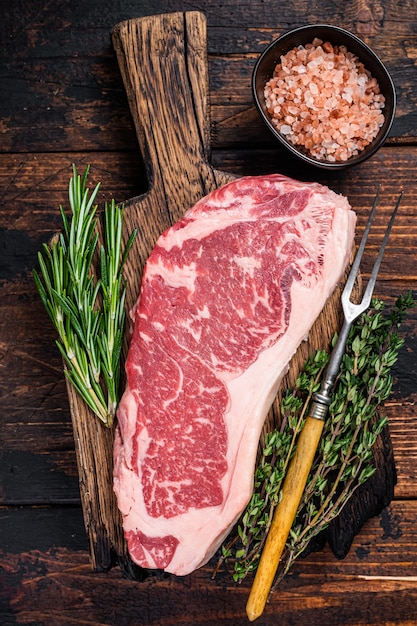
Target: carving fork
[(299, 468)]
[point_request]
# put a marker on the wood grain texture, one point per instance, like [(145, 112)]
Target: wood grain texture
[(63, 101), (48, 581), (163, 61), (62, 90)]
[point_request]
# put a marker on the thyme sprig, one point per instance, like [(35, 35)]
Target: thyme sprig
[(87, 307), (344, 460)]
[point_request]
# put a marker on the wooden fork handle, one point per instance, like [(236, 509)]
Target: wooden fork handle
[(292, 491)]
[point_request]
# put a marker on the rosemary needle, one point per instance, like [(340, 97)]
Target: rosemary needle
[(81, 286)]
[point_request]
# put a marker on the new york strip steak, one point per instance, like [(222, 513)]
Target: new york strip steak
[(228, 294)]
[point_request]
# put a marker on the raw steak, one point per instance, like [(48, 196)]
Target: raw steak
[(228, 294)]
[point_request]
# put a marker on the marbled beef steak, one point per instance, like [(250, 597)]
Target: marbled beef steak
[(228, 294)]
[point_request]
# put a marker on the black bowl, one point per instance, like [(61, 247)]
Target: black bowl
[(266, 63)]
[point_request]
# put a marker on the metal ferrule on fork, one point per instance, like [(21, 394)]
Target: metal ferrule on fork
[(319, 406)]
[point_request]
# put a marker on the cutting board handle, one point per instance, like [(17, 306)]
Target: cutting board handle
[(162, 59)]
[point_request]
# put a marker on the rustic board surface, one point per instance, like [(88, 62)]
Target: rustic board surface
[(164, 68), (63, 100)]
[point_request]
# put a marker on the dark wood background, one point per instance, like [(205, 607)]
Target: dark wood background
[(61, 102)]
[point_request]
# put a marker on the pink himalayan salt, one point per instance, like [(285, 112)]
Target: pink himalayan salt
[(323, 100)]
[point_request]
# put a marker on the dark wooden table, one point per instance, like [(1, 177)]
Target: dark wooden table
[(62, 101)]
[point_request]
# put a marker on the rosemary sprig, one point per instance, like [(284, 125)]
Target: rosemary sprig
[(344, 460), (87, 309)]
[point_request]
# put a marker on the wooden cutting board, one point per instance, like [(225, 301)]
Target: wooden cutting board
[(163, 63)]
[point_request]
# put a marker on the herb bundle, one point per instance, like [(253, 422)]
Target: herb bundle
[(85, 306), (344, 460)]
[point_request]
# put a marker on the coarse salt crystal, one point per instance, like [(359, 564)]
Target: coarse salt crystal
[(313, 88), (285, 129), (347, 95)]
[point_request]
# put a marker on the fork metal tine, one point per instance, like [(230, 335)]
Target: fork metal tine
[(356, 262), (351, 310), (371, 284)]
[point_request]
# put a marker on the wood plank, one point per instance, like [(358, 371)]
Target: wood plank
[(37, 410), (33, 185), (403, 431), (41, 528), (46, 579), (63, 89), (63, 101)]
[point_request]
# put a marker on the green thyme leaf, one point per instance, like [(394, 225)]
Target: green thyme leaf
[(345, 455)]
